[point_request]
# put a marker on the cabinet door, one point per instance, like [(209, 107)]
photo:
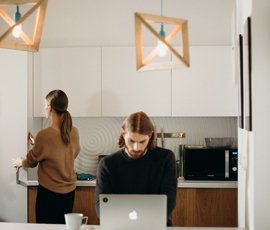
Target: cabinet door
[(85, 203), (205, 207), (124, 90), (77, 71), (31, 204), (207, 87)]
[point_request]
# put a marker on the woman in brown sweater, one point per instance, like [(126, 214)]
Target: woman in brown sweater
[(54, 151)]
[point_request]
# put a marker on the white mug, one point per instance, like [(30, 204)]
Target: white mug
[(74, 221)]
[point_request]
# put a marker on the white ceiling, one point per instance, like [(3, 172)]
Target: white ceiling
[(111, 22)]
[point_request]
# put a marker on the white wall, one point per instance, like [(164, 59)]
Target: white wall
[(244, 137), (91, 23), (13, 132), (254, 189), (260, 188)]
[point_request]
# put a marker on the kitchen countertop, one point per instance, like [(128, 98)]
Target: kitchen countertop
[(182, 183), (24, 226)]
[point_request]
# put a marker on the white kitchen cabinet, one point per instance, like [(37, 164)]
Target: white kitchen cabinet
[(77, 71), (207, 88), (104, 82), (124, 90)]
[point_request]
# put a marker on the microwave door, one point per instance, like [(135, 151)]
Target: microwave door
[(227, 164)]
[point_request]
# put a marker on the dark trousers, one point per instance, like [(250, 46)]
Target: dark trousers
[(51, 207)]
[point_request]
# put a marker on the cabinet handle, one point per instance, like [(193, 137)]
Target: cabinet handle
[(227, 166)]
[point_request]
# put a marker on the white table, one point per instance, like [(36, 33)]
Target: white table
[(24, 226)]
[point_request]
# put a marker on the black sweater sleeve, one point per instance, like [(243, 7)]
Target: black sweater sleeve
[(103, 184), (169, 182)]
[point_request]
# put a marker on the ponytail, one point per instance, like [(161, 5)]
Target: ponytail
[(66, 127), (58, 100)]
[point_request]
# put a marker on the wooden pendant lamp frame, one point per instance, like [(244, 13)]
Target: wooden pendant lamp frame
[(31, 45), (181, 25)]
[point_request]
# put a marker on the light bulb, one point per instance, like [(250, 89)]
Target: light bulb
[(16, 32), (161, 49)]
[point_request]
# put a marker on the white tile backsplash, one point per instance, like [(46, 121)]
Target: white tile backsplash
[(99, 135)]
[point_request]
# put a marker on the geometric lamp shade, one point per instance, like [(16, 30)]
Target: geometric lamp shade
[(180, 27), (35, 9)]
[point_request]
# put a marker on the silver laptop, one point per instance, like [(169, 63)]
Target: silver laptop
[(133, 212)]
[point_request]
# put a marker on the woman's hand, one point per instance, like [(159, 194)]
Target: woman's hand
[(31, 138), (17, 163)]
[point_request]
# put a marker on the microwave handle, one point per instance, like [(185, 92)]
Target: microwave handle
[(227, 163)]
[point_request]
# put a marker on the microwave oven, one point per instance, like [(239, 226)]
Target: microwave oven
[(210, 163)]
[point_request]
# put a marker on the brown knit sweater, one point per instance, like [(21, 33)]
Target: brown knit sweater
[(56, 160)]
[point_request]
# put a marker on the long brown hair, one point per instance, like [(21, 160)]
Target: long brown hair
[(140, 123), (58, 101)]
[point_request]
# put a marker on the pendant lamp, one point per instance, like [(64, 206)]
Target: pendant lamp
[(182, 58), (164, 41), (14, 36)]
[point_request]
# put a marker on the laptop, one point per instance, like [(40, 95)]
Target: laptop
[(133, 212)]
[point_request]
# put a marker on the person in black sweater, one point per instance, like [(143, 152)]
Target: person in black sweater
[(139, 167)]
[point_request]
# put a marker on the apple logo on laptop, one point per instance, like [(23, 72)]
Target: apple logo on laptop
[(133, 215)]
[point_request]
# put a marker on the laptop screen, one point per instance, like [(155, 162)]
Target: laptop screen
[(133, 212)]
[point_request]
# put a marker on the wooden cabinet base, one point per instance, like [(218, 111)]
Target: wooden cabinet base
[(206, 207), (84, 203), (31, 198), (195, 207)]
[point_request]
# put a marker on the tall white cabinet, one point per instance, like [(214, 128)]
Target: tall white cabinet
[(208, 87), (77, 71), (124, 90)]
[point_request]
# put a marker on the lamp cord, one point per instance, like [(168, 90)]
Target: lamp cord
[(161, 7), (162, 33)]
